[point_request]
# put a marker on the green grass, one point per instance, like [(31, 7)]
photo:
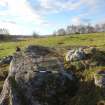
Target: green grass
[(88, 94), (1, 85), (3, 74), (95, 39)]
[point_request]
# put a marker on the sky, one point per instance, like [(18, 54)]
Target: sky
[(24, 17)]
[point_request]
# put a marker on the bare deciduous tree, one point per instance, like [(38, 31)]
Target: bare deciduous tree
[(61, 32), (81, 29)]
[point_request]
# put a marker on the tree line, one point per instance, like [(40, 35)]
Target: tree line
[(80, 29), (4, 34)]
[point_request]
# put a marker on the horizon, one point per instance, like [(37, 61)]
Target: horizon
[(23, 17)]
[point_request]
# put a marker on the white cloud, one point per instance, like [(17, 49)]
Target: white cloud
[(3, 3), (21, 9), (102, 21), (76, 21), (79, 20), (12, 28), (20, 13), (57, 5)]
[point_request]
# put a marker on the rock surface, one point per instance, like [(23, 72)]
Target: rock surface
[(84, 58), (5, 60), (99, 78), (37, 78), (75, 55)]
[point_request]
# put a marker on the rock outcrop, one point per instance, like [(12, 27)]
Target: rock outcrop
[(99, 78), (5, 60), (75, 55), (37, 77), (84, 58)]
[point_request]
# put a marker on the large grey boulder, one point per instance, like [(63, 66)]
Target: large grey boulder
[(75, 55), (37, 78), (84, 58)]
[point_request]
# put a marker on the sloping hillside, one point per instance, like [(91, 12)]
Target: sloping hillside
[(95, 39), (88, 93)]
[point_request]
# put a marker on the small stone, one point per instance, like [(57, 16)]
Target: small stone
[(99, 78)]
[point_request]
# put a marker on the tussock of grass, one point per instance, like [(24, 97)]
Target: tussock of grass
[(1, 85), (3, 75), (88, 93)]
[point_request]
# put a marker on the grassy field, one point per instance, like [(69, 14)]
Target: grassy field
[(95, 39), (88, 94)]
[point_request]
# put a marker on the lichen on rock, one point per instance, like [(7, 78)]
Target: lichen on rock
[(37, 77), (99, 78), (84, 58)]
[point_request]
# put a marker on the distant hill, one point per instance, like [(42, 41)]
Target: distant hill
[(13, 37)]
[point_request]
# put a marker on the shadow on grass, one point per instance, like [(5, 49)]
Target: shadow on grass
[(88, 94)]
